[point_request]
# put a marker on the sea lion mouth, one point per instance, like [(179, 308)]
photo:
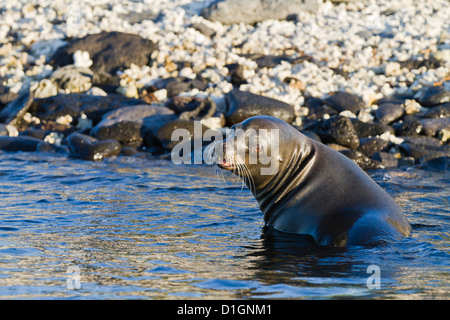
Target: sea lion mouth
[(225, 165)]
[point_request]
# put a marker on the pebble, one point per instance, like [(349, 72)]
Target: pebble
[(370, 146), (431, 127), (361, 160), (337, 129), (87, 148), (389, 112), (242, 105), (341, 101), (433, 96), (370, 129)]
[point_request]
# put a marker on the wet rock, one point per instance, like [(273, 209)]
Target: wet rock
[(35, 133), (388, 112), (73, 79), (386, 159), (192, 108), (164, 134), (433, 96), (51, 148), (16, 109), (252, 11), (130, 125), (421, 147), (270, 61), (202, 28), (317, 109), (183, 104), (6, 95), (361, 160), (338, 129), (109, 51), (431, 127), (435, 163), (242, 105), (413, 63), (440, 111), (342, 100), (369, 146), (20, 143), (236, 74), (87, 148), (175, 86), (408, 127), (370, 129), (105, 81), (76, 104)]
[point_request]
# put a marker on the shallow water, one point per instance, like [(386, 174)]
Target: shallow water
[(138, 228)]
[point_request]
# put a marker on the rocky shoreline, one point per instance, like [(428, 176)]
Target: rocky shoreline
[(370, 91)]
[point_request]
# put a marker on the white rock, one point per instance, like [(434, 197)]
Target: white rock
[(54, 138), (82, 59), (67, 119)]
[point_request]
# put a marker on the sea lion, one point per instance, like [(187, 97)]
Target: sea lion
[(314, 190)]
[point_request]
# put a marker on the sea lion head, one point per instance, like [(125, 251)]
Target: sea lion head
[(256, 149)]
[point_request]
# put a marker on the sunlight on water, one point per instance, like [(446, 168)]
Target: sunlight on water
[(136, 228)]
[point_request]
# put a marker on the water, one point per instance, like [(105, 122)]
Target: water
[(147, 229)]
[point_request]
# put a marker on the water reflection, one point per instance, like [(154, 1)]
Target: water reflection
[(148, 229)]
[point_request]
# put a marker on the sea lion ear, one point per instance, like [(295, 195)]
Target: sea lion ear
[(280, 159)]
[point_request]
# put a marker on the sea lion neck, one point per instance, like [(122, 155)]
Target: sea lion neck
[(294, 170)]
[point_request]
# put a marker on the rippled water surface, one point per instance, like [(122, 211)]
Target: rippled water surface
[(139, 228)]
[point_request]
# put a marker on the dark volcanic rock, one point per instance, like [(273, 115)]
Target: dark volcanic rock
[(388, 112), (440, 111), (6, 96), (202, 28), (317, 109), (21, 143), (175, 86), (370, 129), (16, 109), (87, 148), (342, 100), (431, 127), (408, 127), (94, 107), (109, 51), (192, 108), (270, 61), (242, 105), (370, 146), (433, 96), (338, 129), (164, 134), (386, 159), (131, 125), (183, 104), (252, 11), (422, 147), (361, 160), (236, 74)]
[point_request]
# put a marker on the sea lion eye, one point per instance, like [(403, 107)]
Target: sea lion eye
[(259, 148)]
